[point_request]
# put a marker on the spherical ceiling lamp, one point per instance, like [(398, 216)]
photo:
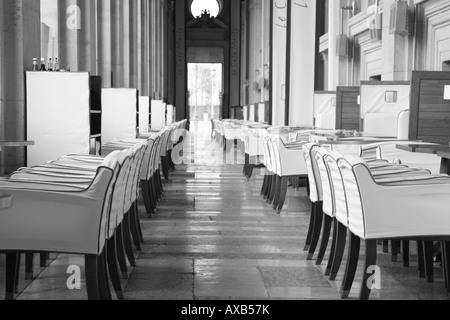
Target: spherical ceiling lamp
[(211, 6)]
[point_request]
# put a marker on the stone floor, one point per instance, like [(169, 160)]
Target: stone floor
[(214, 238)]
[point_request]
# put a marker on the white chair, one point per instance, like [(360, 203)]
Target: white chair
[(60, 218), (289, 163), (407, 208)]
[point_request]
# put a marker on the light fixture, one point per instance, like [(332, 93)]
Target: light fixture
[(399, 24), (342, 41)]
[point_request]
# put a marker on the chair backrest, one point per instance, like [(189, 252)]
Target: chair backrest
[(315, 183), (267, 157), (327, 192), (275, 159), (146, 166), (356, 222), (118, 197), (337, 187), (140, 154)]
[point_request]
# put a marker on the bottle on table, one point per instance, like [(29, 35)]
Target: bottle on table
[(35, 64), (43, 65), (50, 65), (56, 65)]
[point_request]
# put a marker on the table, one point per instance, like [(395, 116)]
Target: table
[(16, 144), (440, 150)]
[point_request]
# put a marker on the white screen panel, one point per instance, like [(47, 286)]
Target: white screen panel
[(58, 115), (158, 111), (144, 114), (118, 114)]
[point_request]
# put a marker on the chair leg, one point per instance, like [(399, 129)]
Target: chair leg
[(405, 245), (385, 246), (138, 222), (333, 248), (113, 268), (445, 264), (283, 193), (276, 197), (29, 266), (121, 257), (264, 186), (104, 290), (340, 248), (161, 188), (147, 198), (127, 241), (165, 169), (154, 190), (273, 187), (428, 248), (268, 186), (43, 257), (421, 259), (395, 244), (12, 260), (371, 261), (352, 264), (310, 228), (316, 231), (92, 279), (16, 279), (325, 238), (133, 228), (246, 164)]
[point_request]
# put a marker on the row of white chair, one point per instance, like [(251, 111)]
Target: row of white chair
[(85, 205), (373, 200)]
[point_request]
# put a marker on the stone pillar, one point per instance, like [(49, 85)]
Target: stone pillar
[(333, 31), (126, 39), (153, 47), (117, 43), (158, 48), (105, 42), (20, 43), (235, 51), (252, 43), (140, 48), (133, 43), (180, 59), (396, 56), (77, 35), (164, 51), (171, 53)]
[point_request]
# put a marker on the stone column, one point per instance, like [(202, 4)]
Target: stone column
[(126, 49), (158, 48), (152, 62), (180, 59), (104, 42), (77, 35), (140, 44), (20, 43), (133, 43), (397, 50), (235, 51), (252, 47), (117, 43)]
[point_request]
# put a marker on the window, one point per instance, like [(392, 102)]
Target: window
[(211, 6)]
